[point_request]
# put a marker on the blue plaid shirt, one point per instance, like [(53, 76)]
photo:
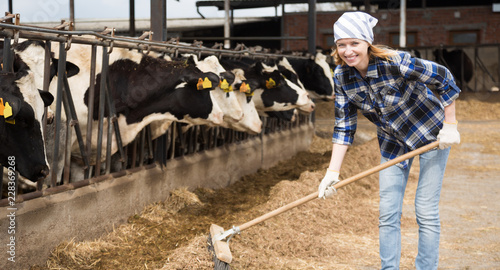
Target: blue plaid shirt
[(395, 97)]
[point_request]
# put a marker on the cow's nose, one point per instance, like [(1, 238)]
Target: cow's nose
[(43, 171)]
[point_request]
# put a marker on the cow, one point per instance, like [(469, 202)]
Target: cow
[(457, 62), (146, 89), (150, 79), (28, 66), (21, 111), (271, 90), (316, 75), (250, 122)]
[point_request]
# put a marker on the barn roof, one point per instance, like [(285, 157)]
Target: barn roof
[(383, 4)]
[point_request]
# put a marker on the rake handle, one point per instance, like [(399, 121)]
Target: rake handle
[(339, 185)]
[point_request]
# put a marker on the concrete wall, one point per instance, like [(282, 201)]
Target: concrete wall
[(86, 213)]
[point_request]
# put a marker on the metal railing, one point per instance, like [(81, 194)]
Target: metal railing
[(143, 151)]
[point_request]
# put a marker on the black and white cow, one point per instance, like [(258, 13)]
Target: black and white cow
[(147, 89), (28, 68), (316, 75), (271, 90), (21, 111), (150, 80)]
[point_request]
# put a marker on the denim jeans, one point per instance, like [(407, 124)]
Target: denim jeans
[(392, 183)]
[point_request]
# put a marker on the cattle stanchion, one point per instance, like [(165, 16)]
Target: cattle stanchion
[(102, 96), (70, 110), (61, 68), (90, 118)]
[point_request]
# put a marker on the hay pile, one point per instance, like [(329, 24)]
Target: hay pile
[(338, 233)]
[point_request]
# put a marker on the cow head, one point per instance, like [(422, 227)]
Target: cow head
[(274, 92), (21, 111)]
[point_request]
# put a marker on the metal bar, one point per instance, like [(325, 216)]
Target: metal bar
[(74, 121), (7, 56), (245, 38), (134, 153), (149, 141), (112, 112), (125, 42), (311, 27), (142, 145), (61, 69), (90, 105), (158, 20), (67, 154), (108, 143), (102, 96), (131, 18)]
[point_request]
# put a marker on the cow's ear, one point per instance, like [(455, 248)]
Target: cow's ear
[(47, 97), (10, 107), (191, 60), (259, 68), (71, 69)]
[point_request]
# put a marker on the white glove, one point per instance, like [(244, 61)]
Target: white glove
[(448, 135), (331, 178)]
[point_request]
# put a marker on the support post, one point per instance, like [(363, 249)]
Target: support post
[(311, 27)]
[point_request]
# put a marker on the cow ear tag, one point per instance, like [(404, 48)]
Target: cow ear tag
[(7, 112), (224, 85), (1, 106), (199, 86), (331, 71), (244, 88), (270, 83), (207, 83)]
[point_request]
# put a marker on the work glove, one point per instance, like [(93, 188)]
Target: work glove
[(448, 135), (326, 188)]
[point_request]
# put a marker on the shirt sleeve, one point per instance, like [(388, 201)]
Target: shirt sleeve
[(345, 117), (431, 74)]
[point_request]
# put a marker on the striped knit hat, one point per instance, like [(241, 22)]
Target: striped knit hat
[(355, 25)]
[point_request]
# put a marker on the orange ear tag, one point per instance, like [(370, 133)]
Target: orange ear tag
[(270, 83), (244, 88), (199, 85), (1, 106)]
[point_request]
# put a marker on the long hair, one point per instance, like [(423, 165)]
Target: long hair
[(380, 51)]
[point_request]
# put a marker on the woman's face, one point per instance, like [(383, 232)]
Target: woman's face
[(354, 52)]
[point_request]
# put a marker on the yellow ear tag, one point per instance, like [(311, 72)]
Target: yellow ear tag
[(199, 85), (1, 106), (224, 85), (207, 83), (270, 83), (331, 71), (7, 112)]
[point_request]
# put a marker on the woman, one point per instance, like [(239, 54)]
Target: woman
[(391, 89)]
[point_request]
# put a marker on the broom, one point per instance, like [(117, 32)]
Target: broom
[(219, 249)]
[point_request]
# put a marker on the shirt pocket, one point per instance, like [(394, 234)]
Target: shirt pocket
[(360, 100), (394, 94)]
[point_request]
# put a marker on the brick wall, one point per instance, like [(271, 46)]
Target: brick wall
[(432, 25)]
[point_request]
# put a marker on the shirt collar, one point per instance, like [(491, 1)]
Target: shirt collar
[(371, 73)]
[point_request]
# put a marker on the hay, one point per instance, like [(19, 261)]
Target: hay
[(338, 233)]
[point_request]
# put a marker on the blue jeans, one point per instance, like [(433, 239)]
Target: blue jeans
[(392, 183)]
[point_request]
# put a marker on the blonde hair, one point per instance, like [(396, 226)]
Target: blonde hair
[(380, 51)]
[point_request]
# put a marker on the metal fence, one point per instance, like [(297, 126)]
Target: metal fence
[(143, 151)]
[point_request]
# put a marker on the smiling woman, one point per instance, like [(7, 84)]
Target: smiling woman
[(390, 89)]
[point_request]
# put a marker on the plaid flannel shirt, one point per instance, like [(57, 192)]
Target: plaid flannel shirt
[(395, 97)]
